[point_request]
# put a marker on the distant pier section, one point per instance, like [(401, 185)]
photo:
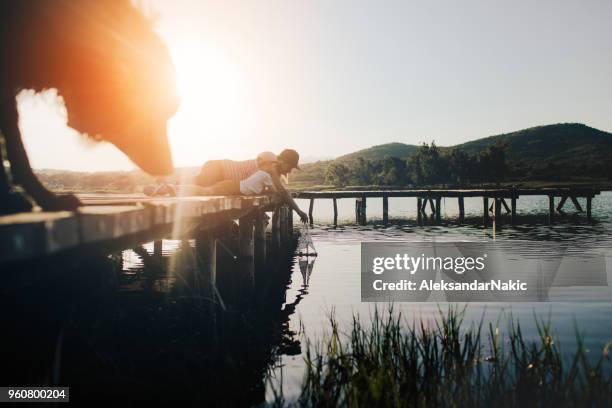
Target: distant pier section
[(493, 201)]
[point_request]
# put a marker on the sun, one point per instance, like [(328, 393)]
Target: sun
[(214, 104)]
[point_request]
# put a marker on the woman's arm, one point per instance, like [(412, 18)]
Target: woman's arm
[(286, 196)]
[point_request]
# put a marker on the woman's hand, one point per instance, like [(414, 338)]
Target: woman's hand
[(303, 216)]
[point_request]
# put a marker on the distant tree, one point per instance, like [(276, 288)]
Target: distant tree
[(337, 174), (492, 162)]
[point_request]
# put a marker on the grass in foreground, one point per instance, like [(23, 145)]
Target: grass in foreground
[(390, 363)]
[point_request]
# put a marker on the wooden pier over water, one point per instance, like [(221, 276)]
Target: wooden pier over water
[(493, 199), (111, 223)]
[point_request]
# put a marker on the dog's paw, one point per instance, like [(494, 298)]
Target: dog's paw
[(12, 202), (60, 202)]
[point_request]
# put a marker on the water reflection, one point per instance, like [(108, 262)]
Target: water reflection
[(138, 325)]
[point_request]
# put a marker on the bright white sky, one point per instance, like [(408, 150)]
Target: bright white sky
[(330, 77)]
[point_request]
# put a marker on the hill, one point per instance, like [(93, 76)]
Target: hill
[(552, 152), (381, 151)]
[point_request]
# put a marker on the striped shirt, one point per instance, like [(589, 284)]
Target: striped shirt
[(238, 170)]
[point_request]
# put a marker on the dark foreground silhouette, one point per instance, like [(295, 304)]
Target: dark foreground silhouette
[(113, 72)]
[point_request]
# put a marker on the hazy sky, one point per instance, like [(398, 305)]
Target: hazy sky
[(330, 77)]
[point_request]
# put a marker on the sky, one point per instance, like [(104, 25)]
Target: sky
[(328, 77)]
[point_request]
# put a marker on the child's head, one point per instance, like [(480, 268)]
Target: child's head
[(267, 161)]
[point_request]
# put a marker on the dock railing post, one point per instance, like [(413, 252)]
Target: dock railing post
[(485, 211), (385, 210)]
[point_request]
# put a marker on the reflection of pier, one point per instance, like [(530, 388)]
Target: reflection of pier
[(500, 197)]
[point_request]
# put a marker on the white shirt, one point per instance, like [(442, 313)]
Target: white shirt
[(256, 183)]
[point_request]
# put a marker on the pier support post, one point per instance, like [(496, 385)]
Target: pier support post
[(206, 249), (551, 209), (335, 212), (246, 251), (276, 238), (497, 213), (157, 249), (310, 208), (360, 210), (419, 212), (588, 205), (283, 223), (385, 210), (513, 211), (261, 222), (289, 222), (485, 211), (438, 208), (461, 203)]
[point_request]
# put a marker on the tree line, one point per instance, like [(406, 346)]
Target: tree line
[(429, 166)]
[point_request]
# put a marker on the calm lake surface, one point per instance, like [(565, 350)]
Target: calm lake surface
[(334, 280), (138, 323)]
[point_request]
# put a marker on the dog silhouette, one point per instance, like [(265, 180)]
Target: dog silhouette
[(112, 70)]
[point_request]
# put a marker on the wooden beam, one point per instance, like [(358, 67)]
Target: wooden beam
[(461, 203), (561, 203), (576, 204), (438, 210), (513, 210), (419, 210), (503, 202)]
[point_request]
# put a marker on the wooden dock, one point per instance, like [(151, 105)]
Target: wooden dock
[(109, 223), (500, 197)]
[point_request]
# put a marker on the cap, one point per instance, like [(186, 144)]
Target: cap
[(290, 157), (264, 157)]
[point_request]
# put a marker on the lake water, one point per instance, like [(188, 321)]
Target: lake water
[(334, 281), (134, 323)]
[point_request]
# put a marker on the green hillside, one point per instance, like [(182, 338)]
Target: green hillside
[(558, 152), (381, 151)]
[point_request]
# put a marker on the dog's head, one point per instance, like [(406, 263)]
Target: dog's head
[(113, 71)]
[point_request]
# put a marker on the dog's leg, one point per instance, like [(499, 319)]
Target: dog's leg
[(20, 165)]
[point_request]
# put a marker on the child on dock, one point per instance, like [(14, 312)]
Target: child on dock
[(265, 179)]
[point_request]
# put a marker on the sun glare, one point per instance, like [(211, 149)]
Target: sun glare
[(213, 106)]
